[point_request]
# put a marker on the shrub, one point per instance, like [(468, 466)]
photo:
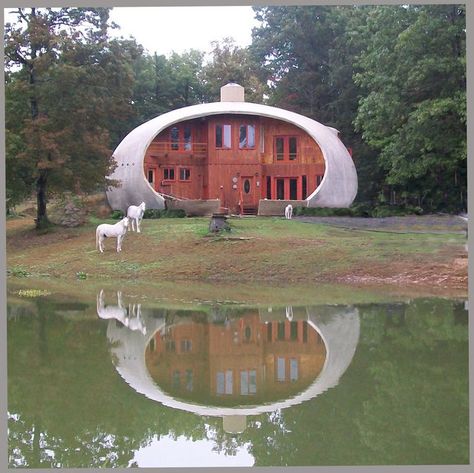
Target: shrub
[(164, 213), (395, 211), (117, 215), (152, 213), (322, 211)]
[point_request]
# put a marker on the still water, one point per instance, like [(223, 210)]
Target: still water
[(114, 383)]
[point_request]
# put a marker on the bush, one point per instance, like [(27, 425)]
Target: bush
[(152, 213), (395, 211), (322, 212), (359, 210), (164, 213), (117, 215)]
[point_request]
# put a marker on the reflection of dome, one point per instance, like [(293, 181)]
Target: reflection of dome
[(245, 361), (338, 327)]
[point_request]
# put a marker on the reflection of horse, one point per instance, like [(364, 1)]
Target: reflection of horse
[(135, 214), (130, 317), (105, 230)]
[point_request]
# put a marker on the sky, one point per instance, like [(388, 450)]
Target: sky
[(167, 452), (167, 29)]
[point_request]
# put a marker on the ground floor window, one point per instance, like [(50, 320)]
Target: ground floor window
[(184, 174), (151, 176), (288, 188), (293, 189), (168, 174)]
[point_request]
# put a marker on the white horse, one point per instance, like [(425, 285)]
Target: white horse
[(135, 214), (288, 211), (105, 230)]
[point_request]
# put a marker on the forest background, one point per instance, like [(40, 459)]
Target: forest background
[(391, 79)]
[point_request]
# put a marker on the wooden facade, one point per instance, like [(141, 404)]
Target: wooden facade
[(236, 158)]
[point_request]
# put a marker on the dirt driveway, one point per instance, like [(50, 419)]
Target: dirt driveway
[(408, 224)]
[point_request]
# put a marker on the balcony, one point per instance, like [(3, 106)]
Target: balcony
[(177, 149)]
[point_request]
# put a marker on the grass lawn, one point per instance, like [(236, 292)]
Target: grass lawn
[(259, 251)]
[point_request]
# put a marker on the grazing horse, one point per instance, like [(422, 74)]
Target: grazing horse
[(288, 211), (135, 214), (106, 230)]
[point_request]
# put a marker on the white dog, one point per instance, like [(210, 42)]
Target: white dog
[(105, 230), (288, 211), (135, 214)]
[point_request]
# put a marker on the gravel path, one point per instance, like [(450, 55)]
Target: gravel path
[(406, 224)]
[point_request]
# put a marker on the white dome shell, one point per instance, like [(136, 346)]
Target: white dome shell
[(338, 187)]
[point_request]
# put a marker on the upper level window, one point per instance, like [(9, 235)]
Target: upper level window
[(286, 148), (247, 136), (181, 137), (174, 138), (223, 136), (293, 148), (279, 148)]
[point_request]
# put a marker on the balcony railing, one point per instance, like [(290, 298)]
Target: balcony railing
[(197, 150)]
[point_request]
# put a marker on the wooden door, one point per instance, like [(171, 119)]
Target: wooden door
[(249, 197)]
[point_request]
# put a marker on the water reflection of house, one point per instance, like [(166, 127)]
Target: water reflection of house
[(246, 360)]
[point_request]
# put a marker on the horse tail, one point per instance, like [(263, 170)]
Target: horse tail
[(97, 238)]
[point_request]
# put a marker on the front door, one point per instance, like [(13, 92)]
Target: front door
[(248, 191)]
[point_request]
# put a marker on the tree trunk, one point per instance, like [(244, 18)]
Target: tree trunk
[(41, 215)]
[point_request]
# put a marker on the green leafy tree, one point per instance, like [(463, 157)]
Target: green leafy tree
[(309, 55), (231, 63), (72, 80), (413, 110)]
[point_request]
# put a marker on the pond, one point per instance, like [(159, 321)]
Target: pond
[(117, 380)]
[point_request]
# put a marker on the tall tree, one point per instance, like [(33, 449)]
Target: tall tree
[(309, 55), (231, 63), (72, 78), (413, 110)]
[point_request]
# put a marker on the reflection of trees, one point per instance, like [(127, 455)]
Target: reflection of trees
[(419, 410), (402, 400), (69, 407)]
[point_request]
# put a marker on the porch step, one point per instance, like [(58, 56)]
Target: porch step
[(249, 210)]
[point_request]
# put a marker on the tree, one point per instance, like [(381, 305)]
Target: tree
[(72, 79), (231, 63), (413, 110), (309, 55)]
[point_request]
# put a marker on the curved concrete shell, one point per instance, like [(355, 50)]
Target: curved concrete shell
[(339, 328), (338, 187)]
